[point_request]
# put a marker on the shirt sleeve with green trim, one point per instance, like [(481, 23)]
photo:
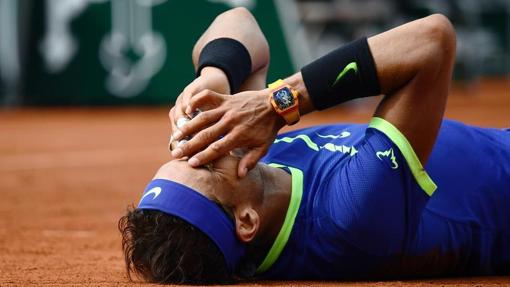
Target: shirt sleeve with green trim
[(377, 197)]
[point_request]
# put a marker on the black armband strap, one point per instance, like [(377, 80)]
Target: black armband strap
[(229, 55), (346, 73)]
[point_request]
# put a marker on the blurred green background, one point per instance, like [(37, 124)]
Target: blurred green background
[(125, 52)]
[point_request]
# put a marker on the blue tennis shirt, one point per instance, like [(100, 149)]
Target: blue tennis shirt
[(362, 205)]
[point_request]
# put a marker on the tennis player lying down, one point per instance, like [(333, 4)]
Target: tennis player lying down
[(408, 194)]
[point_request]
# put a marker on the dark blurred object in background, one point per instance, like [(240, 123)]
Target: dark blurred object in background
[(112, 52), (483, 28), (125, 52), (10, 66)]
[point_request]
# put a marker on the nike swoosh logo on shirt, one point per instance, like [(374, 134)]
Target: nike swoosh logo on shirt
[(352, 66)]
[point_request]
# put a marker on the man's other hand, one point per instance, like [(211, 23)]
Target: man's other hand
[(210, 78), (245, 121)]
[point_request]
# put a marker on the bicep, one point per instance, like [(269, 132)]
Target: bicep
[(417, 111), (414, 65)]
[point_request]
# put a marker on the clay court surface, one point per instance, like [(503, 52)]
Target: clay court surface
[(68, 174)]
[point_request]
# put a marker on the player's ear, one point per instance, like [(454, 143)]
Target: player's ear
[(247, 223)]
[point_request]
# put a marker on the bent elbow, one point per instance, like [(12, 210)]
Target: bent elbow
[(239, 13), (441, 33)]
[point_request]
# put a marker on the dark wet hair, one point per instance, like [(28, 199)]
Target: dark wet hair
[(162, 248)]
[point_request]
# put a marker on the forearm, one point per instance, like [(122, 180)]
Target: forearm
[(399, 55), (404, 52), (413, 67), (238, 24), (240, 64)]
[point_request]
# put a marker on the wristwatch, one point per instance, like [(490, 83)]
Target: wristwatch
[(285, 101)]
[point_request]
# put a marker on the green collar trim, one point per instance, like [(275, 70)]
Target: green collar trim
[(290, 217)]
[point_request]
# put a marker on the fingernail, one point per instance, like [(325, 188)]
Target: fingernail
[(194, 162), (181, 143), (177, 153), (181, 122), (244, 171), (177, 135), (170, 142), (188, 110)]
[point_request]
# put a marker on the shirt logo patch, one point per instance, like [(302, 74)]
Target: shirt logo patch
[(388, 153)]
